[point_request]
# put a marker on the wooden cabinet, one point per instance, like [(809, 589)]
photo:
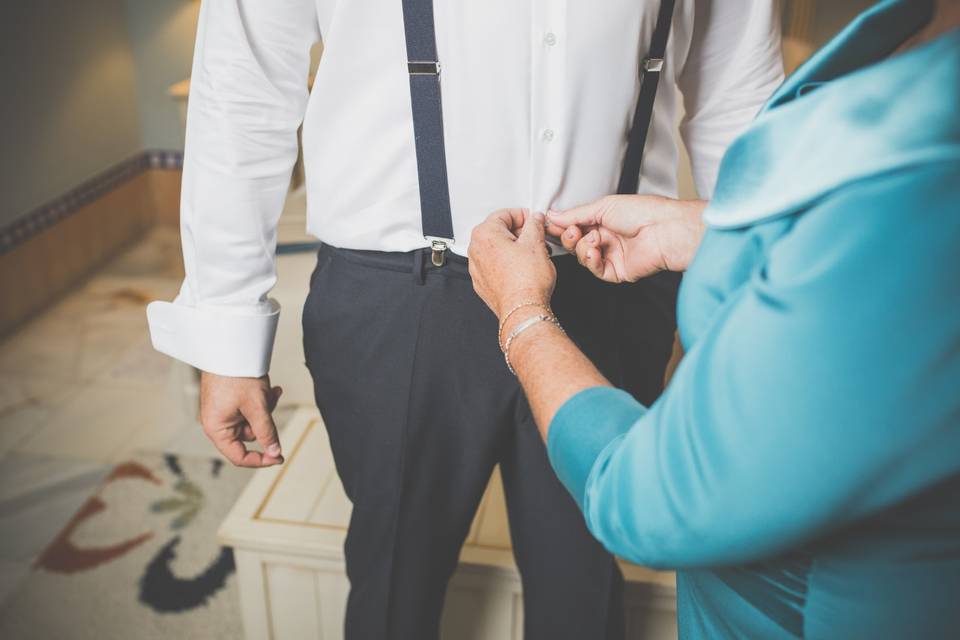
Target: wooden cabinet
[(288, 527)]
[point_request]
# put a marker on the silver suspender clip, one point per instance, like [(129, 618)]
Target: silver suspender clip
[(438, 250), (423, 68), (652, 64)]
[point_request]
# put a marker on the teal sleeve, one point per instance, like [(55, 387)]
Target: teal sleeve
[(573, 449), (826, 389)]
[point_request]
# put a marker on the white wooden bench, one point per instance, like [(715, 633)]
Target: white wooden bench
[(288, 527)]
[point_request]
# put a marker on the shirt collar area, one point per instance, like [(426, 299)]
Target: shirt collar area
[(881, 115)]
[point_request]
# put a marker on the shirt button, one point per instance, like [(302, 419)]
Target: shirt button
[(547, 135), (550, 39)]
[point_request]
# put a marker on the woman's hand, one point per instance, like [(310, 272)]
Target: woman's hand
[(510, 265), (625, 238), (509, 261)]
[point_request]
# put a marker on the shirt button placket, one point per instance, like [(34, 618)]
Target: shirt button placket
[(550, 40), (549, 22)]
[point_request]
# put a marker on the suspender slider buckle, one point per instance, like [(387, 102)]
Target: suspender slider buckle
[(423, 68), (652, 64)]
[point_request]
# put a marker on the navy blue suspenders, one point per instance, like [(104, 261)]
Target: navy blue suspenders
[(423, 67), (649, 72)]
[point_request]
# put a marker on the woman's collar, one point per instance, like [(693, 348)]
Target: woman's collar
[(880, 116)]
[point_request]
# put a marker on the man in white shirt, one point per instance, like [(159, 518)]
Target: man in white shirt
[(537, 100)]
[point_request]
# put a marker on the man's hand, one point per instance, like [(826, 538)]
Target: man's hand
[(625, 238), (238, 410)]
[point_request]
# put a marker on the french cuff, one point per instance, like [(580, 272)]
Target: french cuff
[(583, 427), (218, 340)]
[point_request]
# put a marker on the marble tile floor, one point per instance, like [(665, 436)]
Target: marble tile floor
[(81, 389), (11, 573), (35, 491)]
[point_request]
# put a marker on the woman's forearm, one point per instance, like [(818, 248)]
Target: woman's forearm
[(551, 369)]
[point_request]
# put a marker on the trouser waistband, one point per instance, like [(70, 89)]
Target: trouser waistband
[(416, 262)]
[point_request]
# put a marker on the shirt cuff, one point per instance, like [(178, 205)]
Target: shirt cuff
[(215, 339), (583, 427)]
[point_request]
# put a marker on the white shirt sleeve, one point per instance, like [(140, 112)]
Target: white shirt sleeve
[(248, 95), (734, 64)]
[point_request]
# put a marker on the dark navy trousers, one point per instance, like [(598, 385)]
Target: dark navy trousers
[(419, 407)]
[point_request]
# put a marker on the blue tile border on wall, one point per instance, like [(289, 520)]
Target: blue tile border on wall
[(48, 214)]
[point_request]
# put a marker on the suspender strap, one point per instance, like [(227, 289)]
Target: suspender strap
[(424, 70), (650, 68)]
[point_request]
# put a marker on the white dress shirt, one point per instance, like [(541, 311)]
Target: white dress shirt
[(537, 100)]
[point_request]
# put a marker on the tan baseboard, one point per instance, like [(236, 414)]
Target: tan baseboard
[(165, 194), (47, 265)]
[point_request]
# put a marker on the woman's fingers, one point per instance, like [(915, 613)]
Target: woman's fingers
[(502, 265), (595, 264), (594, 252), (563, 224), (589, 254), (511, 219), (570, 237), (585, 214), (553, 228), (580, 250), (532, 231)]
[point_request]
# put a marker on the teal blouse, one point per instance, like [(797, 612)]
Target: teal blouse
[(802, 470)]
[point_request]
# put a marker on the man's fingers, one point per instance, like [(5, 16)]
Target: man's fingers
[(237, 453), (275, 394), (229, 441), (257, 413), (237, 410), (230, 447)]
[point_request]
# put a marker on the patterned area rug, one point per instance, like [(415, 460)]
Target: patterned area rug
[(139, 560)]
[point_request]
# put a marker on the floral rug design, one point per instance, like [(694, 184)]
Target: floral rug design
[(139, 559)]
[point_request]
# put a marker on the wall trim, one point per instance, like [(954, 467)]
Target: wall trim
[(52, 212)]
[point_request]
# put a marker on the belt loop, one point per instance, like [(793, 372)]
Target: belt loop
[(419, 270)]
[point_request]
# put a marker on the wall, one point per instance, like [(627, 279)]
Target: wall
[(70, 108), (85, 94), (831, 17), (162, 34)]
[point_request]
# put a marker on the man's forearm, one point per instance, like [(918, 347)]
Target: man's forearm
[(551, 369)]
